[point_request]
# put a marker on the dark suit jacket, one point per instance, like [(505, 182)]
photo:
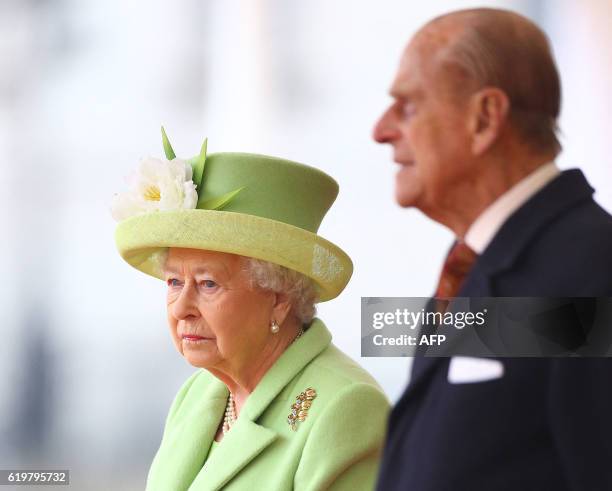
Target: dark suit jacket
[(547, 423)]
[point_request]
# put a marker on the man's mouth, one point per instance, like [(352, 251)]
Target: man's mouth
[(405, 163)]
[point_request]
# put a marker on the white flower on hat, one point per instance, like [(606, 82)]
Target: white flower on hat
[(158, 184)]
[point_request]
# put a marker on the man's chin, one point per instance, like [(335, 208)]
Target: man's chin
[(406, 198), (407, 188), (406, 203)]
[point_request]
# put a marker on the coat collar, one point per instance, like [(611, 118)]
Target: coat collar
[(247, 438), (190, 427), (561, 194), (514, 236)]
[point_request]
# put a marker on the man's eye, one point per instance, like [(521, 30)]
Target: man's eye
[(208, 284), (408, 109)]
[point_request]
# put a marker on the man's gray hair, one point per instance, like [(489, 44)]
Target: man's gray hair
[(503, 49), (300, 289)]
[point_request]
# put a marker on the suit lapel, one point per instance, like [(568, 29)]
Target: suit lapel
[(568, 190), (561, 194)]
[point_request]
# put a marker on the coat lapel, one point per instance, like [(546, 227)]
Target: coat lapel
[(299, 354), (568, 190), (242, 444), (247, 438), (188, 436)]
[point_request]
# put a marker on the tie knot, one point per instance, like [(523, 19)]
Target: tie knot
[(458, 264), (461, 258)]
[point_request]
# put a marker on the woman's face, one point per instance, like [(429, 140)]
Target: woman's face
[(217, 320)]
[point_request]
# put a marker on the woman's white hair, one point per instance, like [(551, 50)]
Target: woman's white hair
[(300, 289)]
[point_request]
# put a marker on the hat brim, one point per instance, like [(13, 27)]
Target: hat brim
[(141, 239)]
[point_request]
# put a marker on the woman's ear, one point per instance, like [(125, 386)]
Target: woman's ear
[(488, 112), (281, 307)]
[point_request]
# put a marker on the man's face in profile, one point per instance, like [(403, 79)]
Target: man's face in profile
[(426, 126)]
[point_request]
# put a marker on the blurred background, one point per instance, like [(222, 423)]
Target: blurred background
[(88, 370)]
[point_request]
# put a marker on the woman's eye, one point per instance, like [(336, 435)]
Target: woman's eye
[(208, 284), (173, 282)]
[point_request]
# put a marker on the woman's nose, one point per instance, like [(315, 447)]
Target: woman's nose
[(185, 306)]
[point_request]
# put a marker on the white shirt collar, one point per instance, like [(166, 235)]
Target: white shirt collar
[(483, 229)]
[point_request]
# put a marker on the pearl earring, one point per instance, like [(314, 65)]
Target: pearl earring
[(274, 328)]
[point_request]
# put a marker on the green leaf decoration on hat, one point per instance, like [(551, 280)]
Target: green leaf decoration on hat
[(197, 164), (167, 147), (216, 203)]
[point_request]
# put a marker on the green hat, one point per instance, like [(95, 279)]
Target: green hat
[(240, 203)]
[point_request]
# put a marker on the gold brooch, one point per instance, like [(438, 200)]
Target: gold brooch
[(299, 409)]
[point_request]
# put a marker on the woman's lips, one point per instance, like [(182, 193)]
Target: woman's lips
[(193, 338)]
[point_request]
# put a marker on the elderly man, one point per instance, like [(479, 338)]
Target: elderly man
[(473, 127)]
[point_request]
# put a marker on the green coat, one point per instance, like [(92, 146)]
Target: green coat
[(336, 447)]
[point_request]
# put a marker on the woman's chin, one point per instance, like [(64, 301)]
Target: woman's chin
[(200, 355), (199, 361)]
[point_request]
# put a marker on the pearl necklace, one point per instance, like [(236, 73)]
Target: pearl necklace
[(230, 414), (230, 409)]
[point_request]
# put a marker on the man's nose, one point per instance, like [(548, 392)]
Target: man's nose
[(185, 306), (385, 130)]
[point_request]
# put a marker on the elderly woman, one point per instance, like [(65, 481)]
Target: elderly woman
[(274, 405)]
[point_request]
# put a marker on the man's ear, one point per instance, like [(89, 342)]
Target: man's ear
[(488, 113), (281, 307)]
